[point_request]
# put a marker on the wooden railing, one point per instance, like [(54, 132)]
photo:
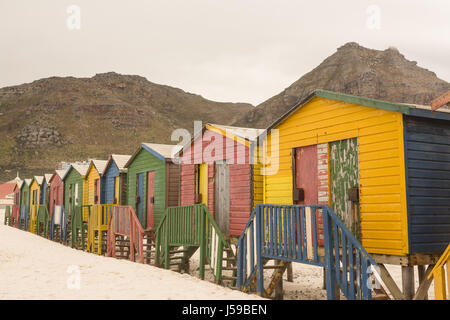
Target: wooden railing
[(289, 233), (15, 216), (7, 221), (97, 224), (124, 222), (59, 218), (43, 217), (33, 218), (438, 275), (191, 226), (79, 225), (24, 217)]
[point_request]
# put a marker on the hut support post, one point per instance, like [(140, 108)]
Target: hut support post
[(408, 282), (290, 273), (422, 278)]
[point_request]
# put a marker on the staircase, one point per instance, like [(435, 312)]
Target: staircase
[(438, 276), (288, 233), (126, 239), (186, 229)]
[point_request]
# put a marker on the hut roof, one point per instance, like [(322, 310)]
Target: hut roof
[(81, 168), (39, 179), (99, 165), (48, 177), (405, 108), (6, 189), (161, 151), (120, 160)]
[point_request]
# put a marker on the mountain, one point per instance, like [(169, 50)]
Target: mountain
[(68, 119), (353, 69)]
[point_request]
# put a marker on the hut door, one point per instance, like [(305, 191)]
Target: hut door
[(222, 198), (96, 191), (150, 199), (344, 182), (306, 175), (116, 199), (139, 196), (75, 197), (204, 182)]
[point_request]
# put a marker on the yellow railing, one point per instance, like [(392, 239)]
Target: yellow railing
[(98, 223), (438, 274), (33, 218)]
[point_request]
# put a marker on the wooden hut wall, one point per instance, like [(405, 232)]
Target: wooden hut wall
[(144, 162), (427, 150), (73, 178), (379, 135), (240, 185), (109, 183), (56, 193)]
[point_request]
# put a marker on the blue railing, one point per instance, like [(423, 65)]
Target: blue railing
[(23, 217), (291, 233)]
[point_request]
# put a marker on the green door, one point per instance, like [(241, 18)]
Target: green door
[(344, 182)]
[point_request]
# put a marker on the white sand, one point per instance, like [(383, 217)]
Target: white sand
[(32, 267), (308, 281)]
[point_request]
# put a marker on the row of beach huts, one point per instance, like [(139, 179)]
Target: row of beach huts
[(342, 182)]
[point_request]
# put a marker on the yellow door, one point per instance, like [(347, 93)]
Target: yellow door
[(204, 182)]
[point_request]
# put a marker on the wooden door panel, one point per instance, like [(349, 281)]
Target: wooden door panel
[(150, 199), (222, 198)]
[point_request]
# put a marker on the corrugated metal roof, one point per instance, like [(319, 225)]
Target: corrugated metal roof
[(165, 150), (241, 132)]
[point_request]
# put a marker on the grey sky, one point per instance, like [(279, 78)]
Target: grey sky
[(225, 50)]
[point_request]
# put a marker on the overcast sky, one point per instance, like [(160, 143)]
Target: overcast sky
[(225, 50)]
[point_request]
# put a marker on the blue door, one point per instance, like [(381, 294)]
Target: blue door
[(139, 197)]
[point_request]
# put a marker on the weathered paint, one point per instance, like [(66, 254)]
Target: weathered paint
[(35, 193), (381, 164), (244, 177), (344, 175), (428, 176)]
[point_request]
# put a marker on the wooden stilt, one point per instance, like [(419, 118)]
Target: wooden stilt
[(279, 286), (422, 278), (408, 282), (290, 273)]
